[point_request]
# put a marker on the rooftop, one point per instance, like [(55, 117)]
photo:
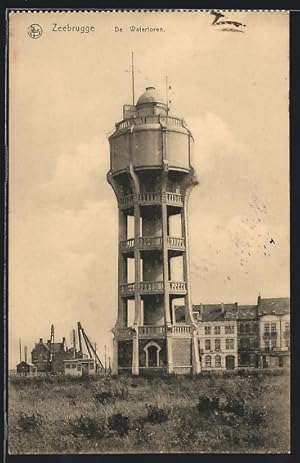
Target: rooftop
[(150, 96)]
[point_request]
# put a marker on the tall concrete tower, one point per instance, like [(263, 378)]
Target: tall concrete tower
[(151, 175)]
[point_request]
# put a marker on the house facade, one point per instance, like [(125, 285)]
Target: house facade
[(248, 336), (274, 331), (217, 336), (48, 357), (242, 336)]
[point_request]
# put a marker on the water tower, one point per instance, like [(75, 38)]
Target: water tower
[(152, 175)]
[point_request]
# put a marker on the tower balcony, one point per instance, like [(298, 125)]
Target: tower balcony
[(155, 331), (151, 199), (149, 243), (151, 330), (154, 287)]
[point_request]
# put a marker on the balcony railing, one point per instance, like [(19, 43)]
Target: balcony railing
[(177, 287), (176, 243), (128, 289), (154, 287), (150, 199), (165, 120), (151, 287), (174, 199), (146, 242), (126, 332), (151, 330), (127, 245), (153, 242), (184, 329)]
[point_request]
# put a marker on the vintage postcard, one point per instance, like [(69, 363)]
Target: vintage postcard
[(148, 224)]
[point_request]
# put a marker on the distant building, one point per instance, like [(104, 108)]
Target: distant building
[(274, 331), (232, 336), (49, 357), (217, 336), (26, 369), (79, 367), (248, 336)]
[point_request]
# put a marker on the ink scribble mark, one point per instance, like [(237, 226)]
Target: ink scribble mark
[(235, 25), (217, 16), (272, 241)]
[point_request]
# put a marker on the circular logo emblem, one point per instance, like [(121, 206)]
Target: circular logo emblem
[(35, 31)]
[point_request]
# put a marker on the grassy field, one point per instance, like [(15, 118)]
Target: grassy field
[(245, 411)]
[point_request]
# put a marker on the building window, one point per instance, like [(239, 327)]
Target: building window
[(273, 327), (217, 330), (218, 363), (208, 361), (78, 366), (207, 330), (247, 328), (229, 329), (242, 328), (266, 328), (68, 365), (207, 344), (273, 342), (229, 344), (287, 327), (217, 344), (244, 343)]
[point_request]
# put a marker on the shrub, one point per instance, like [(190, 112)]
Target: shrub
[(104, 397), (30, 422), (87, 426), (119, 423), (257, 415), (156, 414), (208, 404)]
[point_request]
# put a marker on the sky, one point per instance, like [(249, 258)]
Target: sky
[(66, 91)]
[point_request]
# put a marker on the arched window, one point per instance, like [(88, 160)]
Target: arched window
[(218, 362), (152, 354), (208, 361)]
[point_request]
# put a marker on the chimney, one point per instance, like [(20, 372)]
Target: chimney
[(259, 300), (201, 312), (222, 307), (25, 353), (235, 310)]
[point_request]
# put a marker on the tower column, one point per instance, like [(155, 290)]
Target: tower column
[(164, 217), (186, 273), (137, 272), (122, 271)]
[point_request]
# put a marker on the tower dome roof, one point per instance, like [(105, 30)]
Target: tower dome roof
[(149, 96)]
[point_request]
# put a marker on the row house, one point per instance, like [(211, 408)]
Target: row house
[(242, 336), (217, 336), (274, 331), (248, 336)]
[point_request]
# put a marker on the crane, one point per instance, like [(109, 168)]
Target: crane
[(82, 336)]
